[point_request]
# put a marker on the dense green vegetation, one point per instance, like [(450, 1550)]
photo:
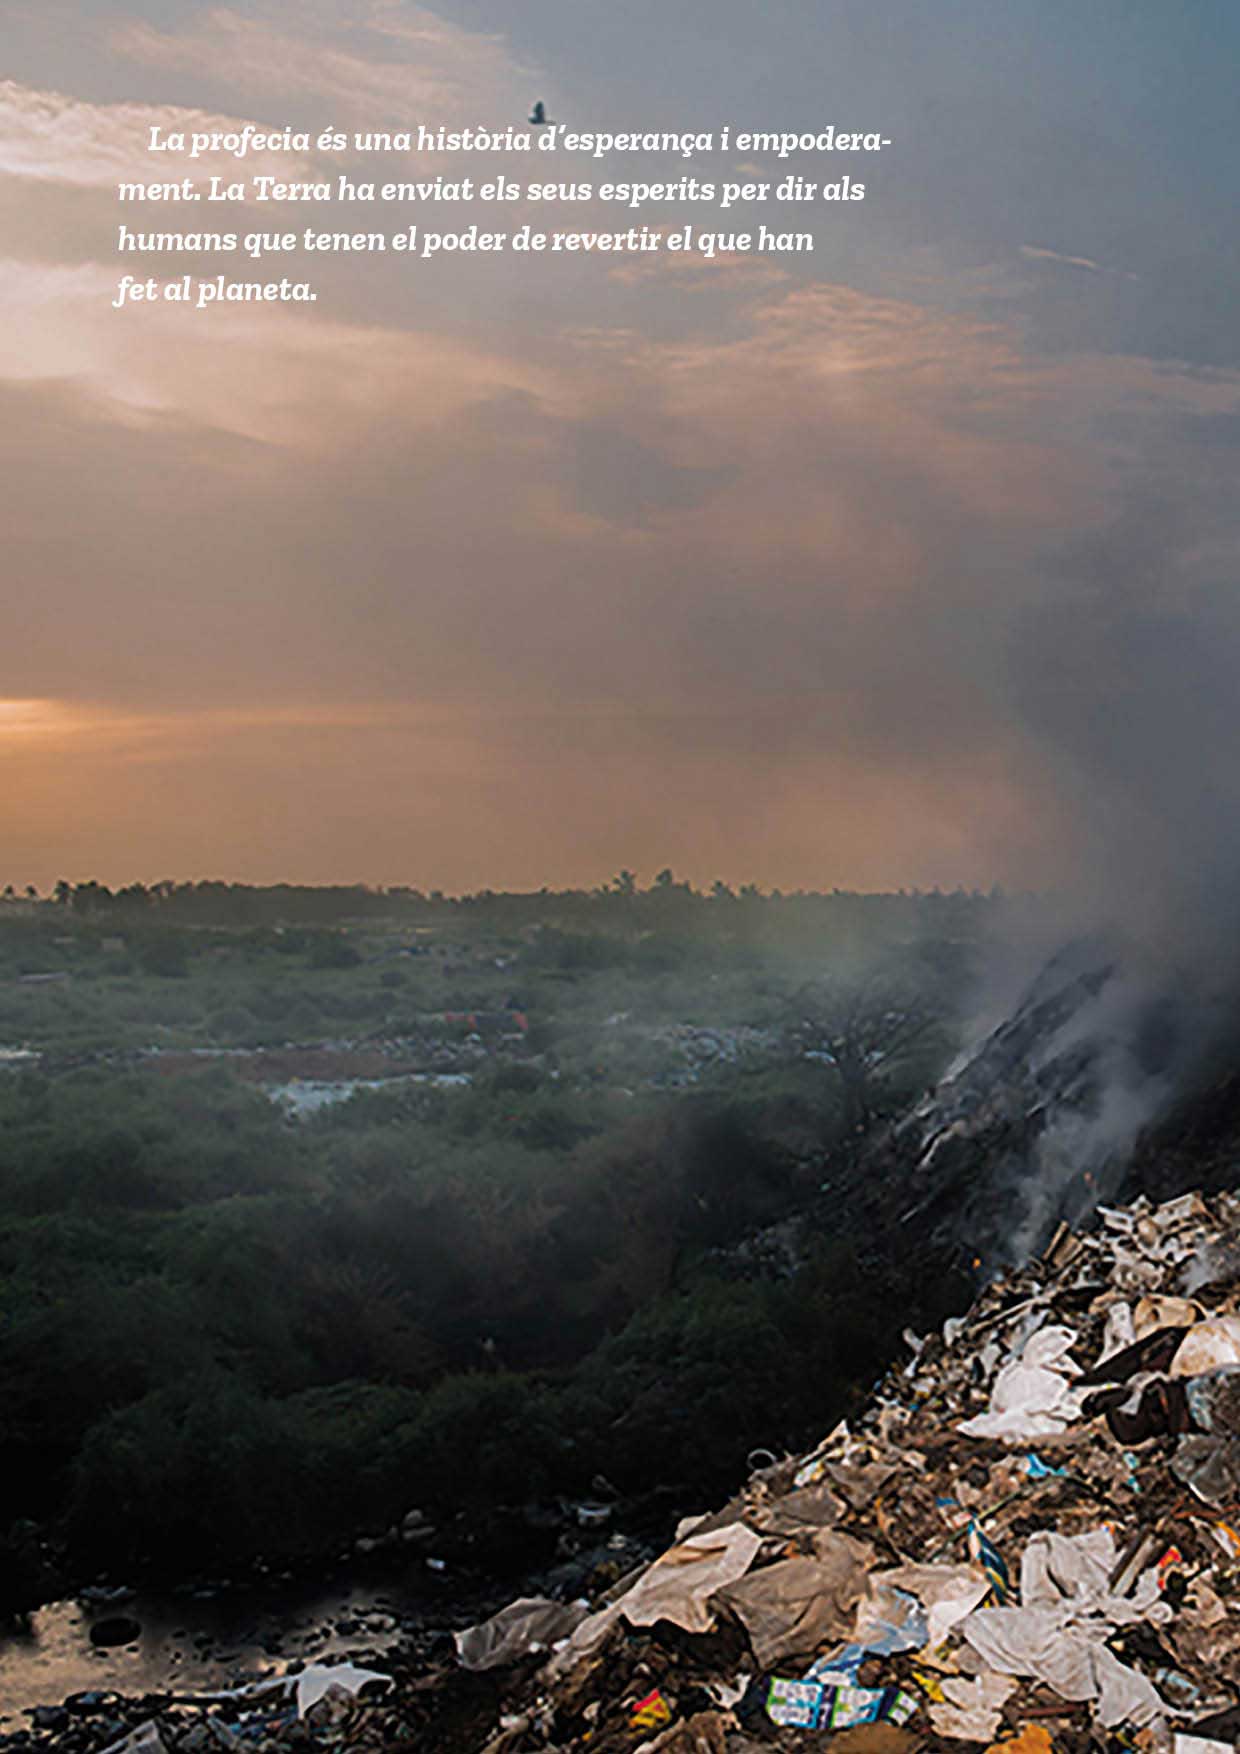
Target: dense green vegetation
[(509, 1266)]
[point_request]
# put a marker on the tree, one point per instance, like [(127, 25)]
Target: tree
[(864, 1027), (91, 897)]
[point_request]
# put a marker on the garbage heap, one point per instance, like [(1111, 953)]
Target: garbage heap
[(1029, 1541)]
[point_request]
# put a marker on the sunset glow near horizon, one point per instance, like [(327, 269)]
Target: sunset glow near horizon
[(816, 571)]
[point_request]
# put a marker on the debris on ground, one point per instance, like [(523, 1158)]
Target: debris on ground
[(1027, 1543)]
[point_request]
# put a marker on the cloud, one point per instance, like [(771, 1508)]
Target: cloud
[(48, 137), (379, 63), (433, 581), (258, 372), (1038, 255), (753, 598), (1033, 254)]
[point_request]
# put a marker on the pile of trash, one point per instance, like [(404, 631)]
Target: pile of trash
[(1028, 1542)]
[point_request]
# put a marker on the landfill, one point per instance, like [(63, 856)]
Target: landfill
[(1028, 1542)]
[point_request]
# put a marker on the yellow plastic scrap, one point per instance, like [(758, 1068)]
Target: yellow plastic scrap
[(650, 1712), (1032, 1739), (931, 1686)]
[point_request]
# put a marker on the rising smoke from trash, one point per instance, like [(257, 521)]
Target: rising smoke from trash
[(1124, 673)]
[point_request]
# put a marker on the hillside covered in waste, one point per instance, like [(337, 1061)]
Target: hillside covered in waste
[(1028, 1537), (1028, 1540)]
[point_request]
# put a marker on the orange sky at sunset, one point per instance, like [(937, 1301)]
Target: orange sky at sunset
[(503, 574)]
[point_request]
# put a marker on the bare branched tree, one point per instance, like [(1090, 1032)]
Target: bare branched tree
[(863, 1028)]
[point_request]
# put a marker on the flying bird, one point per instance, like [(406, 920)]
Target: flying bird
[(538, 115)]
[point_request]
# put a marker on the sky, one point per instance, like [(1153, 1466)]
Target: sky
[(910, 561)]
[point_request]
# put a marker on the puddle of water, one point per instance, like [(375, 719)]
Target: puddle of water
[(185, 1646)]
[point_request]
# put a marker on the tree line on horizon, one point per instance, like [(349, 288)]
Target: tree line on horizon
[(214, 901)]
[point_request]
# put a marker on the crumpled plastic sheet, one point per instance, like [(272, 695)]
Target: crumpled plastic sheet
[(317, 1680), (1055, 1568), (1031, 1397), (1210, 1467), (145, 1739), (889, 1619), (309, 1685), (1208, 1346), (680, 1582), (1214, 1401), (947, 1592), (1071, 1659), (589, 1636), (1058, 1634), (860, 1483), (794, 1606), (971, 1709), (1119, 1331), (529, 1624), (806, 1507)]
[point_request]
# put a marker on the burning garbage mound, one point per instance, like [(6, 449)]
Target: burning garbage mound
[(1039, 1122), (1029, 1541)]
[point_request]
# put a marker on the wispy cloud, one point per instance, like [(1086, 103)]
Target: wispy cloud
[(377, 62), (1034, 253), (49, 137), (274, 376)]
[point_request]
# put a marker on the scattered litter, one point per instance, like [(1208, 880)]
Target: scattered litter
[(983, 1550), (971, 1709), (651, 1712), (1032, 1396), (947, 1592), (1208, 1346), (816, 1705), (678, 1586), (530, 1624), (1032, 1739), (145, 1739), (1027, 1541), (794, 1606)]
